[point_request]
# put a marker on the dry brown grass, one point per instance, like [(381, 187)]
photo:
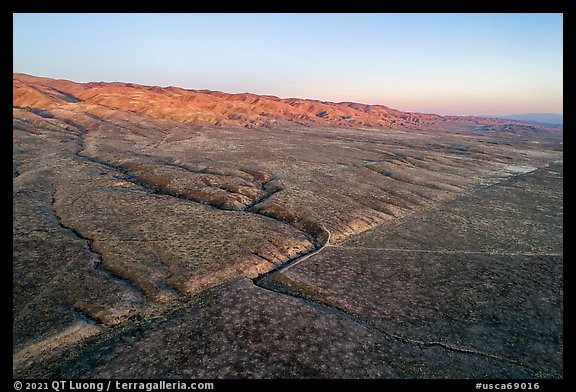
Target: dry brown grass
[(116, 211)]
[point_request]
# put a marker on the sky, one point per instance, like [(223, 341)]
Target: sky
[(461, 64)]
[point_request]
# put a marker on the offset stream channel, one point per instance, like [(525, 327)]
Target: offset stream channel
[(275, 282)]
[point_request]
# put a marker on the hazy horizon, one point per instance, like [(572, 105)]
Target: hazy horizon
[(460, 64)]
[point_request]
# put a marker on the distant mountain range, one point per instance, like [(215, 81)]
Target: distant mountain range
[(205, 108), (544, 118)]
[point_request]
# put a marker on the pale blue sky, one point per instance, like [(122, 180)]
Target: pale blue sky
[(440, 63)]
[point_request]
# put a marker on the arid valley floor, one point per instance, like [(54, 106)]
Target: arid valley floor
[(162, 232)]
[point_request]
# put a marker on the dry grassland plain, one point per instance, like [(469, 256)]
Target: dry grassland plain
[(177, 233)]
